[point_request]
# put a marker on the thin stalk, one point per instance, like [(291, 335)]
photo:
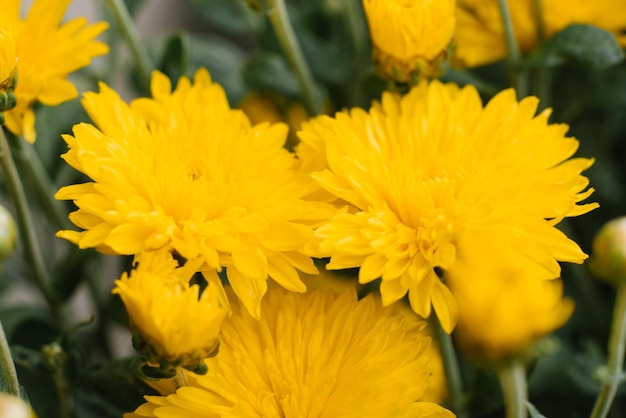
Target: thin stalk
[(180, 380), (30, 162), (615, 362), (354, 21), (513, 380), (541, 29), (519, 78), (452, 371), (26, 226), (289, 43), (7, 366), (137, 47)]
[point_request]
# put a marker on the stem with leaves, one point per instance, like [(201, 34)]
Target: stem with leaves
[(452, 371), (7, 367), (27, 227), (138, 49), (513, 380), (279, 19), (616, 348), (519, 78)]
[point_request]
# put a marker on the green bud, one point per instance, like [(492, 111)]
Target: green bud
[(608, 255), (8, 234), (7, 100)]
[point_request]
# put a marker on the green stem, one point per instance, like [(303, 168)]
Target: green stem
[(452, 371), (180, 380), (26, 226), (541, 31), (286, 36), (30, 162), (354, 21), (7, 366), (138, 49), (617, 345), (513, 381), (519, 78)]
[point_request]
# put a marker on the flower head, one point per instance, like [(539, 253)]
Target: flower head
[(502, 310), (480, 37), (608, 255), (185, 172), (171, 321), (47, 53), (409, 37), (317, 354), (433, 173)]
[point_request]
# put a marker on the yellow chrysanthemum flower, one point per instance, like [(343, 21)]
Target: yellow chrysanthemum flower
[(8, 59), (504, 310), (172, 322), (317, 354), (47, 52), (409, 37), (434, 172), (480, 37), (185, 172)]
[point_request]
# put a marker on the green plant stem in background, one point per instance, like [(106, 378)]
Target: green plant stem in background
[(26, 226), (29, 162), (615, 362), (452, 371), (137, 47), (519, 78), (513, 380), (279, 19), (541, 30), (7, 367)]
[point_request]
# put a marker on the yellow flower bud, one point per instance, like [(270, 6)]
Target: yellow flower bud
[(410, 37), (14, 407), (173, 325), (8, 234), (608, 256)]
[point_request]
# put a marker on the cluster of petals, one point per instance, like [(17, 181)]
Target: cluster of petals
[(480, 38), (182, 171), (172, 321), (431, 174), (47, 52), (319, 354), (409, 36)]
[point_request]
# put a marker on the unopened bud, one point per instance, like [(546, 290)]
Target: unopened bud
[(608, 255)]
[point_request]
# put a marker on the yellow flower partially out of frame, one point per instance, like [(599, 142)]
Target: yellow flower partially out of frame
[(480, 37), (434, 172), (184, 171), (47, 52), (317, 354), (8, 59), (410, 37), (503, 309), (171, 321)]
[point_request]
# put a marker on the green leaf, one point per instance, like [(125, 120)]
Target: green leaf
[(579, 44), (113, 381), (29, 326), (270, 70), (224, 60), (231, 16), (175, 60)]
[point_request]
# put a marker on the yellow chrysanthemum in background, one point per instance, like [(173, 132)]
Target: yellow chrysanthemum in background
[(480, 37), (433, 173), (183, 171), (8, 59), (172, 322), (410, 37), (317, 354), (47, 52), (503, 309)]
